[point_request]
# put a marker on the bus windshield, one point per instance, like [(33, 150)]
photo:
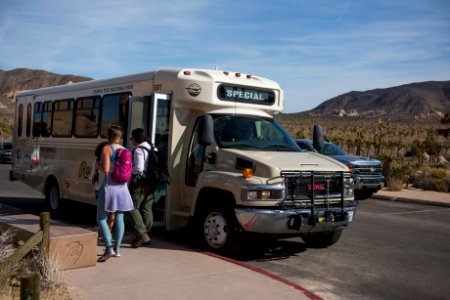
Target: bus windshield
[(252, 133)]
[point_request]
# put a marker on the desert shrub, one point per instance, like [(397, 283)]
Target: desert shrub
[(396, 172), (6, 244), (431, 178), (438, 166), (394, 184), (397, 176), (6, 249)]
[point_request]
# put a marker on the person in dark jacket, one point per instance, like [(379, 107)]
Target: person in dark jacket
[(141, 190)]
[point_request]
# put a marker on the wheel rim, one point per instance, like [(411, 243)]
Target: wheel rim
[(215, 230), (54, 198)]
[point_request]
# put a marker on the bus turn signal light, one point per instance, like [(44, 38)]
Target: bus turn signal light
[(247, 172)]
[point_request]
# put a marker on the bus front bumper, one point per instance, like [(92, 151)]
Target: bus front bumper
[(293, 221)]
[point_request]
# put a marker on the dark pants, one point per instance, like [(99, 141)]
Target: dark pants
[(141, 215)]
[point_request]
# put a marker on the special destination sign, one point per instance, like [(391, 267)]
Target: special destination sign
[(244, 94)]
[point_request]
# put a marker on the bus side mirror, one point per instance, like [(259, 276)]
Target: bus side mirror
[(318, 142), (206, 130)]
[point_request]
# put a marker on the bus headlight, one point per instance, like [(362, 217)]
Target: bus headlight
[(349, 187), (262, 193)]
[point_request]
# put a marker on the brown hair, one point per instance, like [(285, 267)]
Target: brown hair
[(114, 134)]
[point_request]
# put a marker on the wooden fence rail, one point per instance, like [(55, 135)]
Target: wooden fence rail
[(41, 238)]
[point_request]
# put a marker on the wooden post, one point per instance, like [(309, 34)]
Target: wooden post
[(44, 222), (42, 237), (30, 287)]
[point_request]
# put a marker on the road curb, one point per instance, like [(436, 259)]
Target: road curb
[(301, 289), (253, 268), (410, 200)]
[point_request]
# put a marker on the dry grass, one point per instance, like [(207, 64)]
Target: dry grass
[(433, 179), (394, 184), (6, 249), (52, 284)]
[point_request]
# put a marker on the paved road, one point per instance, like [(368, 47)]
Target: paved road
[(392, 250), (17, 194)]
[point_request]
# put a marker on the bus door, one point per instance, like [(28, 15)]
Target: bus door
[(152, 114)]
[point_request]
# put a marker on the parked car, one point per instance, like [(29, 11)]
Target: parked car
[(5, 152), (367, 172)]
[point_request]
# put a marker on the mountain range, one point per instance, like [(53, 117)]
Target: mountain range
[(431, 98), (11, 82)]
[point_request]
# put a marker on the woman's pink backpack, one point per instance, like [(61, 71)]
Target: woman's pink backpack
[(124, 166)]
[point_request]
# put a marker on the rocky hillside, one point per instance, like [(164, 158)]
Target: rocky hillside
[(425, 99), (17, 80)]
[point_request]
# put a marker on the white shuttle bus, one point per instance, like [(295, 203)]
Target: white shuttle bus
[(233, 169)]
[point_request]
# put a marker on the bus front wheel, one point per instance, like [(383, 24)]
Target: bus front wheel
[(52, 197), (220, 230)]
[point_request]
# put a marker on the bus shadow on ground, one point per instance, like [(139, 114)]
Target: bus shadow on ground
[(254, 248), (270, 249), (34, 206)]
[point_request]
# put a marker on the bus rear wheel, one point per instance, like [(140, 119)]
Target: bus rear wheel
[(52, 197)]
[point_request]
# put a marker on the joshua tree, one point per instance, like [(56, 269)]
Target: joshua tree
[(445, 132)]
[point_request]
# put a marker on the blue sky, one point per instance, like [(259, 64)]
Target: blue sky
[(315, 49)]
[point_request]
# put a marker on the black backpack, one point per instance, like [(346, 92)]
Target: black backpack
[(156, 171)]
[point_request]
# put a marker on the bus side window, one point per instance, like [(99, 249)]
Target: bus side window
[(62, 118), (37, 119), (46, 127), (114, 112), (28, 119), (20, 121), (87, 116)]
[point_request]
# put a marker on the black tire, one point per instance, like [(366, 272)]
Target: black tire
[(363, 195), (219, 231), (52, 197), (322, 239)]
